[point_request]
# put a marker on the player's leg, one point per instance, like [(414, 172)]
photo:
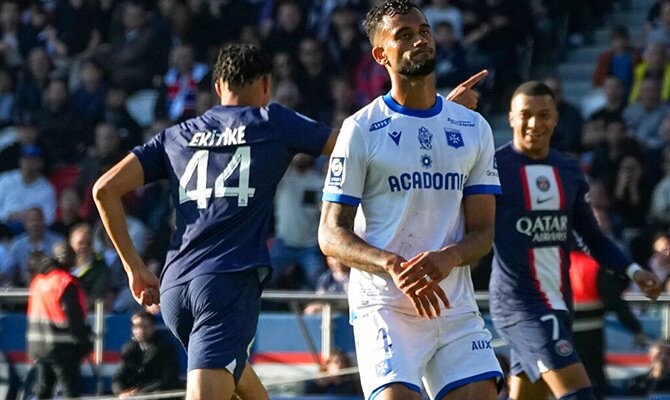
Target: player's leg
[(522, 388), (569, 381), (209, 384), (477, 372), (250, 387), (393, 350)]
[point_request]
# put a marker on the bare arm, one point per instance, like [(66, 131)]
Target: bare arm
[(125, 176), (337, 239)]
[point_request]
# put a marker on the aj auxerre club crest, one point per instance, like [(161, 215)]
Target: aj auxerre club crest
[(454, 138), (425, 139)]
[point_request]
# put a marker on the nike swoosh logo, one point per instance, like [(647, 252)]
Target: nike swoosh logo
[(540, 201)]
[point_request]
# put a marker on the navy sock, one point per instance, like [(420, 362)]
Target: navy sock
[(579, 394)]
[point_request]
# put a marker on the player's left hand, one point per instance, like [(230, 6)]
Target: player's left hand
[(424, 272), (464, 94), (648, 283)]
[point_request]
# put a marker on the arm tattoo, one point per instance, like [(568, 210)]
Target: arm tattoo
[(338, 240)]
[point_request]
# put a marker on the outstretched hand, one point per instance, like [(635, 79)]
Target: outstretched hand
[(144, 286), (648, 283), (464, 94)]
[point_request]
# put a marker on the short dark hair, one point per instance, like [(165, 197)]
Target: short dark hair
[(240, 64), (534, 88), (388, 8), (145, 315)]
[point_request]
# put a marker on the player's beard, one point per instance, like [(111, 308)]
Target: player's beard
[(418, 68)]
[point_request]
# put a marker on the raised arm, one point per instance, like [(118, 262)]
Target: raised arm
[(125, 176)]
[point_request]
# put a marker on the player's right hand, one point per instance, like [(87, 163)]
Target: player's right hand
[(144, 286), (426, 301)]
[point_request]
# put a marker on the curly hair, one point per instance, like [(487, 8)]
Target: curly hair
[(240, 64), (373, 20)]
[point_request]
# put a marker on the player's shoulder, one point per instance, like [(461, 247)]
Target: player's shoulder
[(459, 116)]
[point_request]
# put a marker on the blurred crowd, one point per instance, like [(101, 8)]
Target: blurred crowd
[(83, 81)]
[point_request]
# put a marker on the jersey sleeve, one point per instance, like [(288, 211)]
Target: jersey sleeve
[(483, 177), (300, 133), (347, 167), (152, 157), (603, 250)]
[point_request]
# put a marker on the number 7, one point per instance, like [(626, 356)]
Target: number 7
[(554, 321)]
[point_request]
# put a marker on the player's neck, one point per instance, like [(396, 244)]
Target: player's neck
[(417, 93)]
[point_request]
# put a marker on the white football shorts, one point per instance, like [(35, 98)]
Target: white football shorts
[(443, 353)]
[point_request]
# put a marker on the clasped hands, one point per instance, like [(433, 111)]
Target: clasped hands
[(419, 279)]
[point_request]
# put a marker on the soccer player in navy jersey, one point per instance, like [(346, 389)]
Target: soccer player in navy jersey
[(544, 198), (223, 168)]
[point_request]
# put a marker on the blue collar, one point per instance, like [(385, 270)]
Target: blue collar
[(431, 112)]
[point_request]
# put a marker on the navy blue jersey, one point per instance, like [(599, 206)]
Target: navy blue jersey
[(223, 169), (542, 201)]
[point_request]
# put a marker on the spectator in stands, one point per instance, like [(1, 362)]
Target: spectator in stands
[(16, 39), (346, 41), (26, 134), (89, 267), (284, 67), (63, 131), (655, 65), (286, 30), (117, 114), (57, 335), (333, 280), (26, 187), (287, 94), (347, 384), (69, 204), (149, 362), (297, 212), (343, 97), (615, 100), (439, 11), (105, 152), (661, 32), (619, 60), (631, 195), (36, 238), (568, 133), (137, 52), (660, 198), (33, 81), (617, 144), (6, 96), (660, 259), (76, 28), (88, 98), (657, 380), (178, 94), (645, 116), (314, 81), (451, 64)]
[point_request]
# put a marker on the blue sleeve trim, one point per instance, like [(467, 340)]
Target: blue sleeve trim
[(465, 381), (341, 198), (482, 189), (411, 386)]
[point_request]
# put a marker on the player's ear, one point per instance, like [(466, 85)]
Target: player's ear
[(219, 89), (510, 117), (379, 55), (267, 83)]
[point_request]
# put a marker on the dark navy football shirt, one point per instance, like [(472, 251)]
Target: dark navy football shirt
[(542, 201), (223, 168)]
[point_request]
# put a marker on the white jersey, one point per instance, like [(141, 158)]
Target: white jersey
[(407, 171)]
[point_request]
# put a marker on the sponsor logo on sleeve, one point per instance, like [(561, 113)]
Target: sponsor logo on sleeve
[(336, 171), (380, 124), (461, 122)]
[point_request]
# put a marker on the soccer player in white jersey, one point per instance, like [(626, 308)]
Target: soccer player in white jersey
[(409, 202)]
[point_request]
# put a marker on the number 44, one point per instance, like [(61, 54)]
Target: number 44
[(201, 194)]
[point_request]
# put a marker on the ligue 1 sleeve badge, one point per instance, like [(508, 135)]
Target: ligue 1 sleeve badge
[(336, 171)]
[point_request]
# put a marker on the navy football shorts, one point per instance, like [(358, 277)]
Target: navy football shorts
[(539, 345), (214, 316)]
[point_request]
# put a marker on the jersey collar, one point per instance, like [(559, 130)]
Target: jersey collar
[(431, 112)]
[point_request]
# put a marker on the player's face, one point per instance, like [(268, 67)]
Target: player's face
[(405, 44), (533, 119)]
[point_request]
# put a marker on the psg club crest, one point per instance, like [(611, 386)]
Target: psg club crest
[(454, 138), (563, 348), (543, 183), (425, 139)]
